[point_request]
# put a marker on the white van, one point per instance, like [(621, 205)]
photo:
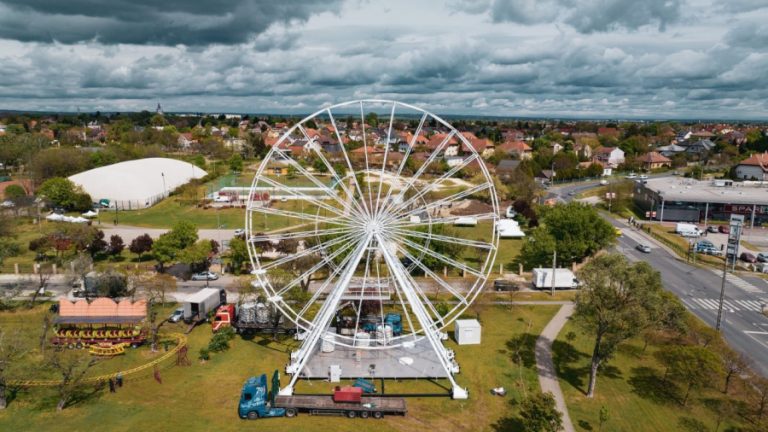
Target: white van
[(687, 230)]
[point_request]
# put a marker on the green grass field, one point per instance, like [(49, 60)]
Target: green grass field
[(204, 396), (631, 388)]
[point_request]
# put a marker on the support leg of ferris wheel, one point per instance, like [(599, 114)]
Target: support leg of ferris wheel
[(445, 355), (325, 315)]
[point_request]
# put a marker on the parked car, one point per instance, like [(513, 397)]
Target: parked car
[(504, 285), (712, 229), (603, 182), (222, 199), (631, 175), (239, 232), (177, 315), (8, 204), (748, 257), (643, 248), (725, 229), (206, 275), (511, 213), (643, 177), (762, 257)]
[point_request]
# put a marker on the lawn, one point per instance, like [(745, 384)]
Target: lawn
[(204, 396), (630, 386)]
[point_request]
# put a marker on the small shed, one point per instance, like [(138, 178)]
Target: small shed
[(467, 332)]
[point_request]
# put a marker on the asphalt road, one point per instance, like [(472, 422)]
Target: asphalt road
[(743, 325)]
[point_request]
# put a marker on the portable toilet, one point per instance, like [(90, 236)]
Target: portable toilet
[(467, 332)]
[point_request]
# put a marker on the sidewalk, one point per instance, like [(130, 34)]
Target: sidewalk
[(546, 366)]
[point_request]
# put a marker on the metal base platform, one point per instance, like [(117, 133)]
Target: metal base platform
[(418, 361)]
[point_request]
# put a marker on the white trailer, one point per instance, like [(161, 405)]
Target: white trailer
[(466, 221), (564, 278), (198, 305)]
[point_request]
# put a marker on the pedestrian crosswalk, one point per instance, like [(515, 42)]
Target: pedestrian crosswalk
[(738, 282), (731, 305)]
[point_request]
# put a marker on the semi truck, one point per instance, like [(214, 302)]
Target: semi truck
[(564, 278), (198, 305), (257, 401), (251, 318)]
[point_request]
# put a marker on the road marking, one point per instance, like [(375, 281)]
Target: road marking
[(755, 332), (737, 281), (734, 305)]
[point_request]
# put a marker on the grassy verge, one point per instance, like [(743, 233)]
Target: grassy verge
[(631, 387), (204, 396)]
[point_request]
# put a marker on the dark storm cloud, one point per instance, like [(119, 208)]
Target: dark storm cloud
[(168, 22), (586, 16)]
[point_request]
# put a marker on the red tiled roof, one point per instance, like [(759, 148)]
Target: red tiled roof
[(479, 144), (757, 159), (653, 157), (514, 146), (436, 139)]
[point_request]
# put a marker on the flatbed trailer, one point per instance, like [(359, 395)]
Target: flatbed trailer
[(257, 328), (370, 406)]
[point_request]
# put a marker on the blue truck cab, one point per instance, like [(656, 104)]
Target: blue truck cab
[(256, 401)]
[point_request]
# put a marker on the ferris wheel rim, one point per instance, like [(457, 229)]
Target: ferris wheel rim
[(300, 321)]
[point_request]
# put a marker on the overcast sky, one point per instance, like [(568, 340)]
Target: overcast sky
[(574, 58)]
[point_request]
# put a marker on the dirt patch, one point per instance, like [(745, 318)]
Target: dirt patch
[(474, 207)]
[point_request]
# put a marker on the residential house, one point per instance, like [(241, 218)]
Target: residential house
[(3, 128), (436, 140), (94, 125), (517, 148), (653, 160), (513, 135), (235, 144), (483, 146), (700, 147), (453, 161), (506, 167), (670, 150), (608, 132), (612, 156), (555, 147), (582, 150), (754, 167), (185, 140)]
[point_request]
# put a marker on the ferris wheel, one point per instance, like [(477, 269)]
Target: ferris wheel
[(376, 219)]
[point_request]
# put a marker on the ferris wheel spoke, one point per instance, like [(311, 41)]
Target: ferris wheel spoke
[(308, 251), (427, 271), (350, 201), (297, 166), (365, 153), (303, 216), (443, 220), (422, 296), (303, 196), (434, 184), (349, 163), (295, 235), (325, 284), (408, 151), (327, 259), (384, 162), (447, 260), (443, 238), (424, 166), (447, 200), (362, 294)]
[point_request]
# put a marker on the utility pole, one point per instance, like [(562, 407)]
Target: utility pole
[(732, 251)]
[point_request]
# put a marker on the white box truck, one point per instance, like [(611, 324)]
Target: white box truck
[(564, 278), (687, 230), (198, 305)]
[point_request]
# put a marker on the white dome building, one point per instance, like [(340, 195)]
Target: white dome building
[(136, 184)]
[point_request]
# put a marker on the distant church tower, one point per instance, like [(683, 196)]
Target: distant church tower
[(159, 109)]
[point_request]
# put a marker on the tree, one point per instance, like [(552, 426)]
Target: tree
[(287, 246), (14, 192), (158, 285), (694, 365), (98, 244), (616, 302), (236, 163), (141, 244), (71, 366), (167, 247), (579, 230), (238, 254), (604, 417), (196, 255), (60, 191), (539, 414), (11, 350), (734, 363), (760, 386), (164, 250), (116, 245), (111, 283), (80, 267)]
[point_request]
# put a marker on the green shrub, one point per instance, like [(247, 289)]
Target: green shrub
[(204, 354), (220, 341)]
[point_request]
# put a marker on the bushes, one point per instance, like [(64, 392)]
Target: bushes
[(220, 341)]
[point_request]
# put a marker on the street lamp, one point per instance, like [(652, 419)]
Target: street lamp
[(165, 194)]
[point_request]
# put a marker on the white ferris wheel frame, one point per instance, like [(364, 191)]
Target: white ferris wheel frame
[(361, 224)]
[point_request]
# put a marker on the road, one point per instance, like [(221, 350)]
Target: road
[(744, 327)]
